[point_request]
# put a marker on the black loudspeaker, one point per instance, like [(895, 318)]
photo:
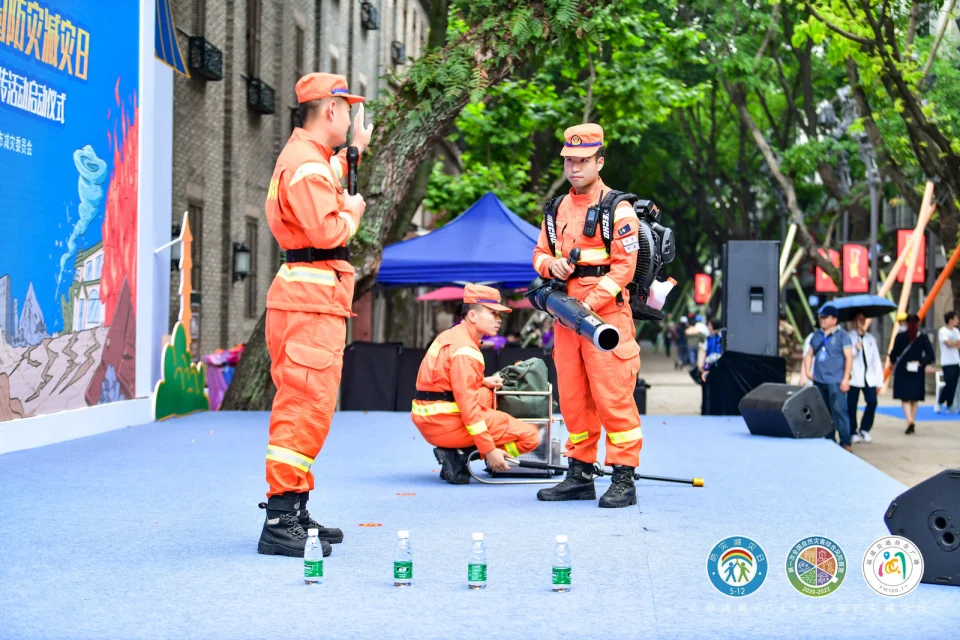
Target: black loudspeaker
[(750, 296), (928, 515), (785, 411)]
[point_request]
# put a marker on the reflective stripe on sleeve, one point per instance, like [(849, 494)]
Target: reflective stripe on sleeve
[(624, 211), (311, 169), (511, 449), (289, 456), (576, 438), (476, 427), (540, 260), (434, 349), (607, 284), (470, 352), (337, 169), (621, 437), (350, 223), (307, 274)]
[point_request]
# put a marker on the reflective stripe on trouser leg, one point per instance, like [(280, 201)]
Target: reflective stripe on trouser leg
[(576, 402), (289, 456), (511, 449), (306, 397)]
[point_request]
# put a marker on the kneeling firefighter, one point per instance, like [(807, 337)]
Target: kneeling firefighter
[(453, 405), (596, 387)]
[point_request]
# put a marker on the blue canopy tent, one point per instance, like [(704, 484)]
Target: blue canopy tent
[(487, 244)]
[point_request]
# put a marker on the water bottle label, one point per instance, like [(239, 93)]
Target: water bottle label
[(313, 568), (561, 575), (477, 572), (403, 570)]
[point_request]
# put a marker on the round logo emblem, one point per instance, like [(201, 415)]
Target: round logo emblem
[(892, 566), (576, 141), (737, 566), (816, 566)]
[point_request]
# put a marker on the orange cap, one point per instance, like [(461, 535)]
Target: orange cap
[(316, 86), (487, 296), (582, 141)]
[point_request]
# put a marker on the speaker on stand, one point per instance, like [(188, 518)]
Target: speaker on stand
[(786, 411), (928, 515)]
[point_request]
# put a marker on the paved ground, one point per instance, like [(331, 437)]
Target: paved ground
[(910, 459)]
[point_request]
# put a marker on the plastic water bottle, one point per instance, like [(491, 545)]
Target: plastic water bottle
[(561, 566), (313, 558), (477, 565), (403, 561)]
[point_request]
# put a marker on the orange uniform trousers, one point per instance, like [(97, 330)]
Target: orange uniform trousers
[(306, 350), (446, 430), (596, 388)]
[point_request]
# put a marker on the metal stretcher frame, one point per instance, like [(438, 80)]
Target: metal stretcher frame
[(552, 457)]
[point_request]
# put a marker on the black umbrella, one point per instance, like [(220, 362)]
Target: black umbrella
[(869, 305)]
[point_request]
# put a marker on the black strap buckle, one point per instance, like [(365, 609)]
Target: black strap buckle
[(312, 254), (430, 396), (587, 271)]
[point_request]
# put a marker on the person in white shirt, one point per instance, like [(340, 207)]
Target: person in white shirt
[(866, 377), (949, 337)]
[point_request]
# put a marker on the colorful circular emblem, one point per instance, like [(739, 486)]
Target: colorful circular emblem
[(816, 566), (737, 566), (893, 566), (576, 141)]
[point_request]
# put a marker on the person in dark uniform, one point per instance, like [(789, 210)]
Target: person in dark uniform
[(911, 354)]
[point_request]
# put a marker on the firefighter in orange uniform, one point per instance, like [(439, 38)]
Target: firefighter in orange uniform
[(596, 387), (308, 304), (453, 405)]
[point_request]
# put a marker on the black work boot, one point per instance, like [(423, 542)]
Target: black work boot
[(330, 534), (282, 534), (621, 493), (578, 485), (453, 464)]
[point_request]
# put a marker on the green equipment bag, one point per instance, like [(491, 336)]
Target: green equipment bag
[(526, 375)]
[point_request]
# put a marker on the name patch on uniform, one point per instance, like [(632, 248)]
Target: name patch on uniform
[(631, 243), (624, 230)]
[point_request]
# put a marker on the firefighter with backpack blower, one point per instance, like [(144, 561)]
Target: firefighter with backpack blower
[(596, 387)]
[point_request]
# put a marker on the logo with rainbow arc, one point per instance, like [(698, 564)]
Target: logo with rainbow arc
[(737, 566)]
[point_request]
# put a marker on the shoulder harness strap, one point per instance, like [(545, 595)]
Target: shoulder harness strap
[(607, 208), (550, 221)]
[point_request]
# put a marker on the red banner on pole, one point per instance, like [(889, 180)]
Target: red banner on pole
[(702, 288), (920, 273), (824, 283), (856, 269)]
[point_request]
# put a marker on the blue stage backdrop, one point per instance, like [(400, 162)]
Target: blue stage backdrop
[(69, 79)]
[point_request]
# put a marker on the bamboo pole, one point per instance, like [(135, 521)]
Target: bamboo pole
[(941, 280), (913, 250), (794, 261), (926, 211), (787, 245), (803, 299), (793, 322), (682, 298)]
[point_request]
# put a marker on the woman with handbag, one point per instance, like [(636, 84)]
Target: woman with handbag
[(911, 354)]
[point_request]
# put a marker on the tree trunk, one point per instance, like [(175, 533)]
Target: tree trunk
[(251, 388), (421, 113)]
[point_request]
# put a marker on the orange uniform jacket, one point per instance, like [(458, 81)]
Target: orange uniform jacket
[(454, 363), (597, 292), (305, 208)]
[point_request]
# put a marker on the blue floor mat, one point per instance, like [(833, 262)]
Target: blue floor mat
[(151, 532)]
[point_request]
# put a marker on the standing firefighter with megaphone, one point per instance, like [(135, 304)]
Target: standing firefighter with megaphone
[(596, 387)]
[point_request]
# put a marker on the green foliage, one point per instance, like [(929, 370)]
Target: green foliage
[(181, 391)]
